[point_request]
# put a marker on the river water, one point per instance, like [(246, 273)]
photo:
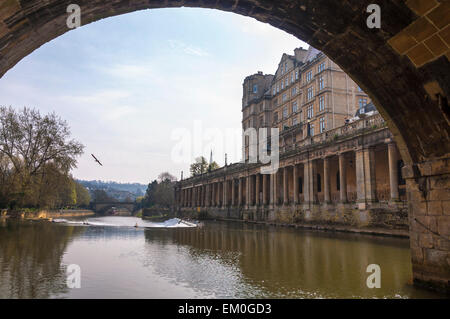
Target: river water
[(218, 260)]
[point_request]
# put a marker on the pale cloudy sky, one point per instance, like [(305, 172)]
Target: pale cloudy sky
[(137, 87)]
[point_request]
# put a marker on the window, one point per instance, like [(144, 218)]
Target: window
[(286, 82), (278, 88), (294, 107), (309, 76), (294, 90), (362, 103), (274, 91), (285, 112), (261, 121), (311, 130), (296, 74), (282, 84), (292, 77), (321, 67), (284, 97), (321, 103), (275, 117), (310, 93), (295, 121), (255, 88), (321, 83), (322, 124), (285, 67), (310, 111)]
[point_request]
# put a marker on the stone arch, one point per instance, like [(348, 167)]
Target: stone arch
[(403, 67)]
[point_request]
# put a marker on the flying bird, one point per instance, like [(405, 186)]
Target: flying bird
[(96, 160)]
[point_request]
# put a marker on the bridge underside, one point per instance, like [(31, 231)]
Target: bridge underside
[(403, 67)]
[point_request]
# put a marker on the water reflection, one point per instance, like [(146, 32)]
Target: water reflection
[(282, 262), (30, 258), (226, 260)]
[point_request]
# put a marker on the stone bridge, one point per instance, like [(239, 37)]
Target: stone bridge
[(403, 67), (101, 206)]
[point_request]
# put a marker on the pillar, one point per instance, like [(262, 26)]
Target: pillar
[(285, 186), (213, 194), (343, 177), (240, 191), (295, 180), (264, 188), (365, 176), (233, 193), (225, 194), (393, 171), (247, 191), (326, 180), (306, 177), (257, 190), (271, 189)]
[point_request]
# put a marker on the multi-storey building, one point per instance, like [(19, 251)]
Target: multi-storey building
[(338, 162), (309, 94)]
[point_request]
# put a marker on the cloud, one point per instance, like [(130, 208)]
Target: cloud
[(186, 48)]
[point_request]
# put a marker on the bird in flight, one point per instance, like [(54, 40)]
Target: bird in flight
[(96, 160)]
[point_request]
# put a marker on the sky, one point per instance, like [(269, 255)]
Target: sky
[(149, 91)]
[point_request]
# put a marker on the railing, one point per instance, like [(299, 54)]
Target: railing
[(372, 122)]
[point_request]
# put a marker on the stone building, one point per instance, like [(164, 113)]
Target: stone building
[(339, 166)]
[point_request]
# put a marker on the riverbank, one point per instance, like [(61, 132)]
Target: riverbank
[(46, 214), (402, 232)]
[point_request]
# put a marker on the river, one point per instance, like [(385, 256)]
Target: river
[(218, 260)]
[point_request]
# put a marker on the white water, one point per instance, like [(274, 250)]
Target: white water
[(112, 221)]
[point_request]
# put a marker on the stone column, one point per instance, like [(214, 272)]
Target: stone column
[(275, 188), (285, 186), (343, 177), (233, 193), (257, 189), (295, 179), (264, 188), (326, 180), (365, 177), (271, 190), (240, 191), (225, 194), (393, 171), (306, 177), (213, 194), (247, 191)]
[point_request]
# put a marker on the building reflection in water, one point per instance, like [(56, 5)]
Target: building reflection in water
[(284, 262), (30, 258)]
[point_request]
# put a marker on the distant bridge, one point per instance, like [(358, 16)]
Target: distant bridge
[(103, 206)]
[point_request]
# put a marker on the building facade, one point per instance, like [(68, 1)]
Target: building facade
[(339, 166)]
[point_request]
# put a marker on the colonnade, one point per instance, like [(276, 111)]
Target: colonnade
[(297, 183)]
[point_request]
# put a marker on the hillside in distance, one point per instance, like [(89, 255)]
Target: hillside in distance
[(119, 191)]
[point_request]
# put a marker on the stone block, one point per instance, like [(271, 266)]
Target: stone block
[(440, 16), (402, 42), (421, 29), (436, 45), (445, 35), (426, 241), (435, 257), (434, 207), (420, 55), (420, 7)]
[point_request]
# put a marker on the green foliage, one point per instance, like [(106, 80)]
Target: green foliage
[(199, 167), (213, 166), (36, 155), (160, 193)]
